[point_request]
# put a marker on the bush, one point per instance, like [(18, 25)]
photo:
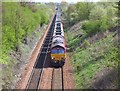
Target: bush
[(85, 44), (19, 22), (91, 27), (74, 43)]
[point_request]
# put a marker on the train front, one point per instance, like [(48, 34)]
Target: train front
[(58, 51)]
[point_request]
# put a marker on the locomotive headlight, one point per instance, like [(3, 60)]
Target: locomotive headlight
[(52, 58)]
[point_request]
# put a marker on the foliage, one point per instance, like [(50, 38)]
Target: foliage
[(78, 12), (71, 14), (97, 13), (91, 27), (64, 5), (101, 19), (50, 5), (83, 9), (85, 44), (19, 20), (88, 62), (89, 59), (74, 43), (104, 14)]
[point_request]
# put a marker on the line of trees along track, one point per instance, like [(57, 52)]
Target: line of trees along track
[(18, 22), (22, 26)]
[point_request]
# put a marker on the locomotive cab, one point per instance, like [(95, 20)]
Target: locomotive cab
[(58, 56)]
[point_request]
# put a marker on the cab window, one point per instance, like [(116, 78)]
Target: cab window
[(54, 51), (57, 51), (61, 51)]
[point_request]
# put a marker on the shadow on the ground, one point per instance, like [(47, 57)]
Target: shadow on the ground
[(106, 79)]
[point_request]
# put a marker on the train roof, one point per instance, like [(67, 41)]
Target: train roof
[(58, 33), (58, 19), (56, 45), (58, 26), (58, 40)]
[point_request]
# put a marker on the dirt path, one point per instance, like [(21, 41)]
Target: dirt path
[(69, 82)]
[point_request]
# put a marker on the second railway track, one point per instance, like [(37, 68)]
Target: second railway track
[(57, 79)]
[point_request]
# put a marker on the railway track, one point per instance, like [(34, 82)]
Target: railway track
[(43, 56), (57, 79), (39, 74), (39, 77), (42, 62)]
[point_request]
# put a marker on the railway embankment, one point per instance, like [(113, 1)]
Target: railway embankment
[(95, 60), (92, 45), (23, 24)]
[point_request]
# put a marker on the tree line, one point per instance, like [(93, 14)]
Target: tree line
[(19, 20), (99, 16)]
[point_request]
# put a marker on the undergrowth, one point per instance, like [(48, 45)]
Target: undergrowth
[(87, 62)]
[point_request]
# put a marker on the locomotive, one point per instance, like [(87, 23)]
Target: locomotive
[(58, 50)]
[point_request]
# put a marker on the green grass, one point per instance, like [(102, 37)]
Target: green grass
[(94, 58), (87, 58), (72, 41)]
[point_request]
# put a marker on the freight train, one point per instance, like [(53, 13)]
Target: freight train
[(58, 49)]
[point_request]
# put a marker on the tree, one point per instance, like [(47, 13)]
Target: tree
[(97, 13), (83, 10), (64, 5), (71, 14)]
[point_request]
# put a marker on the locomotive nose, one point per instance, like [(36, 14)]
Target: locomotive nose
[(56, 58)]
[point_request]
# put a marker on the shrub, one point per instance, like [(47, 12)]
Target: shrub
[(91, 27)]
